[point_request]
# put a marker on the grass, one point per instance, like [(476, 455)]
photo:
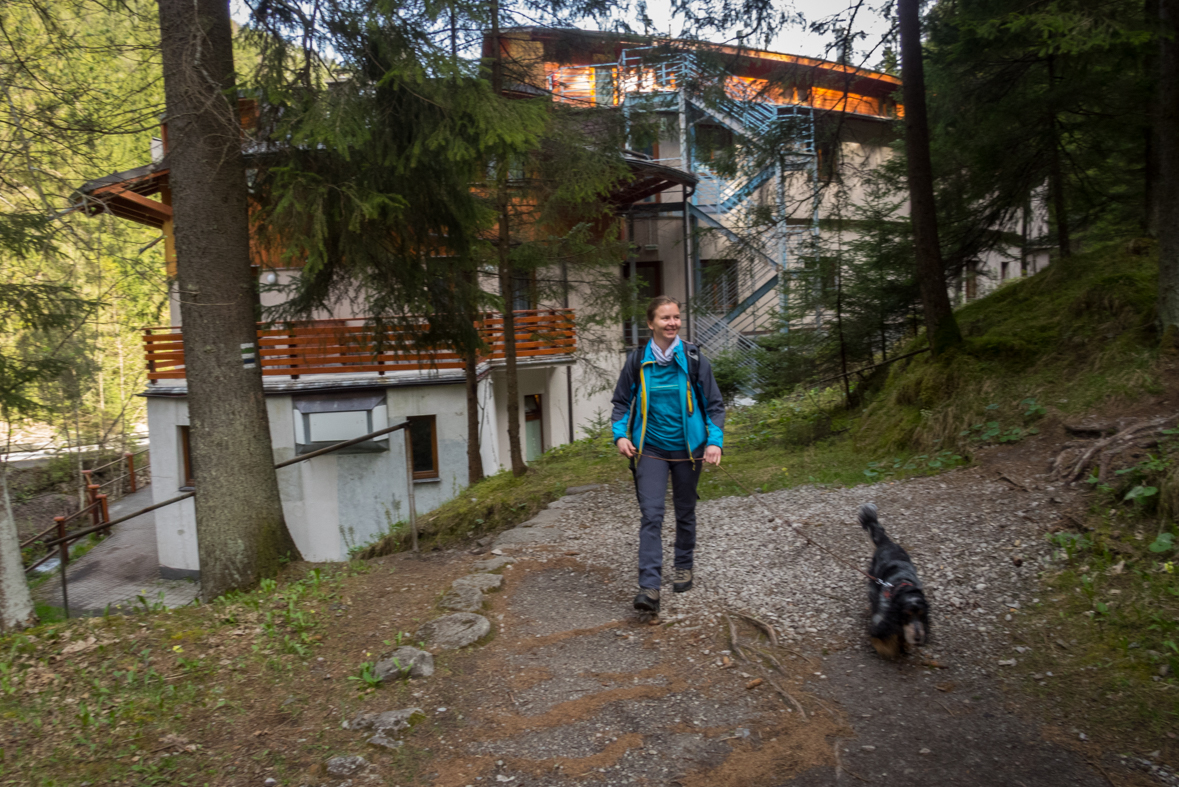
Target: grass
[(188, 696), (1071, 338), (1108, 632)]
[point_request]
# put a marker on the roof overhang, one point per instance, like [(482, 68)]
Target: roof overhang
[(127, 195)]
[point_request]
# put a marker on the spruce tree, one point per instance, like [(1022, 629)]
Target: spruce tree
[(241, 532)]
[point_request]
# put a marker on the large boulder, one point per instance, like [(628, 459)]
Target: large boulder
[(455, 631), (405, 663)]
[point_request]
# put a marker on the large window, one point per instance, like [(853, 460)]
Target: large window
[(423, 441)]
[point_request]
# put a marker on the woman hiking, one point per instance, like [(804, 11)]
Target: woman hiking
[(668, 416)]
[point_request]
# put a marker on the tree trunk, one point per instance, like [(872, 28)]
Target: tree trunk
[(1150, 172), (16, 604), (1167, 143), (940, 324), (510, 373), (505, 265), (241, 533), (474, 458), (1056, 175)]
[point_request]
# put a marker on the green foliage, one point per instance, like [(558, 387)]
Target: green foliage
[(366, 678), (732, 375), (1015, 86)]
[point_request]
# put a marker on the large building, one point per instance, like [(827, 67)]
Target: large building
[(691, 234)]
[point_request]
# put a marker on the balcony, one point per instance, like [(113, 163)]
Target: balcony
[(347, 347)]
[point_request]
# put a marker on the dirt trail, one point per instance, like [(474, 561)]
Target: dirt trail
[(573, 687)]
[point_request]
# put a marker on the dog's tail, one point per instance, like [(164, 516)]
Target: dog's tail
[(869, 522)]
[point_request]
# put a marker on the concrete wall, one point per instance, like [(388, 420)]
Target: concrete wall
[(332, 503)]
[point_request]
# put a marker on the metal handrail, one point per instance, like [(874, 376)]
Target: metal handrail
[(64, 540), (186, 495)]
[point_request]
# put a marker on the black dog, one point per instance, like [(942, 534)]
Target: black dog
[(900, 613)]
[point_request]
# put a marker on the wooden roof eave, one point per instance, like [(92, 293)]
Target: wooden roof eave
[(126, 195)]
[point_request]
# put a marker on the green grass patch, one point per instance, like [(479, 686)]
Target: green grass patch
[(1074, 336), (1105, 640), (503, 500)]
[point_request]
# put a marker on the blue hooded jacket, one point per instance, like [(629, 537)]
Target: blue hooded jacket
[(632, 390)]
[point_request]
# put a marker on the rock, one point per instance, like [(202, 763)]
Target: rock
[(463, 598), (455, 631), (405, 662), (1164, 670), (391, 721), (525, 534), (1006, 662), (346, 766), (493, 563), (485, 541), (270, 781), (484, 582), (381, 739), (579, 490), (867, 748), (925, 751)]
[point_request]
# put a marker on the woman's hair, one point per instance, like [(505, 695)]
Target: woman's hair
[(656, 302)]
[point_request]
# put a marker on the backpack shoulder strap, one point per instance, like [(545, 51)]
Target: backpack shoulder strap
[(693, 353)]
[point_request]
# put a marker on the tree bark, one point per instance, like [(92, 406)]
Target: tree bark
[(241, 533), (1167, 143), (505, 266), (940, 323), (16, 604), (474, 458), (1056, 175)]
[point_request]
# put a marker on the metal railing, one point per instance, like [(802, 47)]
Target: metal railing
[(99, 510), (135, 477)]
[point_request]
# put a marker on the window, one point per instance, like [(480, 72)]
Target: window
[(719, 285), (650, 275), (325, 419), (186, 461), (423, 442), (971, 276), (533, 427), (523, 290)]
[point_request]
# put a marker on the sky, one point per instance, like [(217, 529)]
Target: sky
[(792, 39), (796, 40)]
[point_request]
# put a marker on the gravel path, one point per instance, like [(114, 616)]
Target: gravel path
[(964, 531)]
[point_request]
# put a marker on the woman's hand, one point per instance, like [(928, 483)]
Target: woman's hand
[(712, 455), (626, 447)]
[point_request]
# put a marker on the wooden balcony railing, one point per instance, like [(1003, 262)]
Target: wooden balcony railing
[(348, 346)]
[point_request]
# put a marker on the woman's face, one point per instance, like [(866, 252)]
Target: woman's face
[(666, 323)]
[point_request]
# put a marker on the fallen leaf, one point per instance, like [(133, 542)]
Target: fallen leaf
[(946, 687), (753, 684)]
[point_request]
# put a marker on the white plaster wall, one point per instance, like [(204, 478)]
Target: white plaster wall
[(175, 524), (549, 382)]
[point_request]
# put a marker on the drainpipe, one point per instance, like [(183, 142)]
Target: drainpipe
[(568, 369)]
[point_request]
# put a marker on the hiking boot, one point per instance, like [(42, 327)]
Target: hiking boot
[(647, 600), (682, 581)]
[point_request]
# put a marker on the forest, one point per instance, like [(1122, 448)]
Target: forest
[(1027, 130)]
